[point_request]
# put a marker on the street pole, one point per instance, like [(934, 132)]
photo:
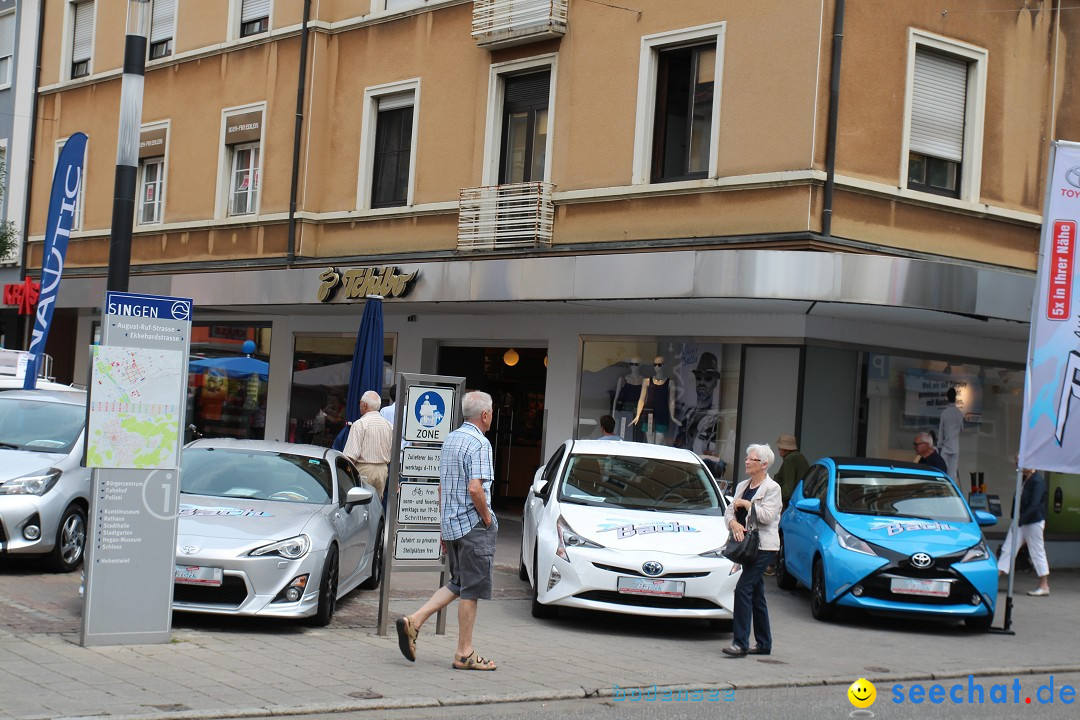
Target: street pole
[(127, 144)]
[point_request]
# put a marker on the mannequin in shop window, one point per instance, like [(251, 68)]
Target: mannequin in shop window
[(656, 400), (627, 394)]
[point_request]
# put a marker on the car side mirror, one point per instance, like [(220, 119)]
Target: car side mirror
[(809, 505), (358, 496), (984, 518), (539, 487)]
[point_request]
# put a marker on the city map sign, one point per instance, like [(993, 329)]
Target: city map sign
[(138, 399)]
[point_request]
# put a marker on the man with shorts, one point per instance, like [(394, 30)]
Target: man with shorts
[(468, 532)]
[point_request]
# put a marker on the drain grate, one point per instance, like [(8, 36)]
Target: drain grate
[(365, 695)]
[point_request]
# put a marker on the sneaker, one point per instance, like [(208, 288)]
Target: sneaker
[(770, 571), (1038, 592)]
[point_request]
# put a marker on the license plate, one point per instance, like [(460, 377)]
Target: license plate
[(649, 586), (197, 575), (914, 586)]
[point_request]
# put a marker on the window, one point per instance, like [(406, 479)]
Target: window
[(393, 151), (7, 46), (162, 28), (82, 38), (678, 112), (946, 85), (524, 127), (254, 17), (151, 180), (244, 187)]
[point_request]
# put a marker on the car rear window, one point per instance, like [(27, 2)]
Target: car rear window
[(39, 425), (639, 483), (256, 475), (917, 496)]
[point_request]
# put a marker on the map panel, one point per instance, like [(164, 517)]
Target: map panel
[(135, 408)]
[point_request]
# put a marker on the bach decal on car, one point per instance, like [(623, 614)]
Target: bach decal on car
[(898, 526), (194, 511), (623, 530)]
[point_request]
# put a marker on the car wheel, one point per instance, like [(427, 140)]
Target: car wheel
[(979, 624), (784, 579), (539, 610), (820, 608), (372, 583), (70, 540), (327, 591)]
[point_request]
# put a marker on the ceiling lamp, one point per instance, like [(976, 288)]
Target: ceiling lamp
[(510, 357)]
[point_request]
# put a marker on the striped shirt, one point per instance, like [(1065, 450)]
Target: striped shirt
[(466, 455), (369, 439)]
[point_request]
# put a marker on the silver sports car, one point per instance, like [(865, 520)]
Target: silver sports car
[(273, 529)]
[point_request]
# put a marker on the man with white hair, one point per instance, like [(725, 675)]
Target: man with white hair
[(368, 445)]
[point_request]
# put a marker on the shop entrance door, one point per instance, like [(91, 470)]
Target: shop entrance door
[(517, 428)]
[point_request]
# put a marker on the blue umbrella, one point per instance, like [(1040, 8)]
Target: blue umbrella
[(367, 364), (236, 366)]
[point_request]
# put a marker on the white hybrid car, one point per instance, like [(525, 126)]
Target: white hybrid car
[(629, 528)]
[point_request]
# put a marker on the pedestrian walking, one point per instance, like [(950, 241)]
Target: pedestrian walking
[(949, 428), (368, 445), (793, 468), (764, 493), (1031, 525), (469, 529)]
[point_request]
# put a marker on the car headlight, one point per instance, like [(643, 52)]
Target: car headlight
[(38, 483), (977, 552), (293, 548), (569, 538), (850, 542)]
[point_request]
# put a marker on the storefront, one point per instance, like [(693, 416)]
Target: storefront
[(851, 353)]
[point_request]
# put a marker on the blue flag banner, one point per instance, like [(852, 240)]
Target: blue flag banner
[(65, 190)]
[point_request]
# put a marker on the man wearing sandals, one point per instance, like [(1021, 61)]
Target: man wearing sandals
[(468, 532)]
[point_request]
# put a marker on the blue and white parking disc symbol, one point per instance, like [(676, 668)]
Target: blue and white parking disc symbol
[(430, 411)]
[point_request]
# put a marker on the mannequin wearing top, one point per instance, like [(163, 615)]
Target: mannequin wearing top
[(627, 392), (658, 400)]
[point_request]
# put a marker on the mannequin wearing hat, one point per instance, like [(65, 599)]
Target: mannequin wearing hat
[(658, 401), (794, 468), (627, 392), (698, 431)]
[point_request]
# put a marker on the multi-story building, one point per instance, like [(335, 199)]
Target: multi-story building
[(560, 198)]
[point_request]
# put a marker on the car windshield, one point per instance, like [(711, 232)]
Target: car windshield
[(256, 475), (40, 425), (928, 497), (639, 483)]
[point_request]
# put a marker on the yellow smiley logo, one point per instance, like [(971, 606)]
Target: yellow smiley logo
[(862, 693)]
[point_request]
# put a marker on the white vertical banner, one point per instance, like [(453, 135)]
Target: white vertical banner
[(1050, 433)]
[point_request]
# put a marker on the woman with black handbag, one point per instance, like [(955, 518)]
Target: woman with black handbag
[(761, 493)]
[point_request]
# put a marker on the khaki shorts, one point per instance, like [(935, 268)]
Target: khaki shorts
[(472, 562)]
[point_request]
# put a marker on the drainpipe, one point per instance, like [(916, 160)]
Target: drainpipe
[(834, 113), (29, 322), (290, 255)]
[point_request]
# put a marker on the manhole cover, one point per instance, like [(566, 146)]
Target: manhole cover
[(365, 695)]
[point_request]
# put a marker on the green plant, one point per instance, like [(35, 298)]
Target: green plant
[(9, 235)]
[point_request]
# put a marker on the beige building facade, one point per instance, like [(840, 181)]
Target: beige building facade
[(590, 185)]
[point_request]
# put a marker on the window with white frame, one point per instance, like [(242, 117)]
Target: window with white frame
[(945, 117), (523, 153), (162, 28), (7, 46), (254, 17), (244, 179), (391, 155), (82, 37), (151, 198), (678, 105)]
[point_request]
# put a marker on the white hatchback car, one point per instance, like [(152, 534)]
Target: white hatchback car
[(629, 528)]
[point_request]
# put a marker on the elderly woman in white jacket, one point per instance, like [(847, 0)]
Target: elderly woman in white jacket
[(764, 493)]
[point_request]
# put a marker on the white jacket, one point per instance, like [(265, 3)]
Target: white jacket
[(768, 505)]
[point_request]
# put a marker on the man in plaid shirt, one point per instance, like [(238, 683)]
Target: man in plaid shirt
[(469, 529)]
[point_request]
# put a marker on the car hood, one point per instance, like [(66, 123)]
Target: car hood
[(242, 519), (16, 463), (912, 534), (621, 529)]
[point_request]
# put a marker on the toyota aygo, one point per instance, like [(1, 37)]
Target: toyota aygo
[(890, 538)]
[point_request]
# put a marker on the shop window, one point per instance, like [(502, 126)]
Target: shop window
[(162, 28), (228, 377), (320, 384), (82, 38), (664, 392)]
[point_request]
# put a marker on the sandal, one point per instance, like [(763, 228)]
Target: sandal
[(472, 661), (406, 638)]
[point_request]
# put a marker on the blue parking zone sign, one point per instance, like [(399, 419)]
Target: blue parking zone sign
[(430, 412)]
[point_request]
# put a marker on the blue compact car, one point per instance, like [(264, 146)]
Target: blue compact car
[(891, 538)]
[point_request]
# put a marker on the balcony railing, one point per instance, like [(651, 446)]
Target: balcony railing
[(505, 216), (502, 23)]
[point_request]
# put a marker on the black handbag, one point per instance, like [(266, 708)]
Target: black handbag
[(744, 552)]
